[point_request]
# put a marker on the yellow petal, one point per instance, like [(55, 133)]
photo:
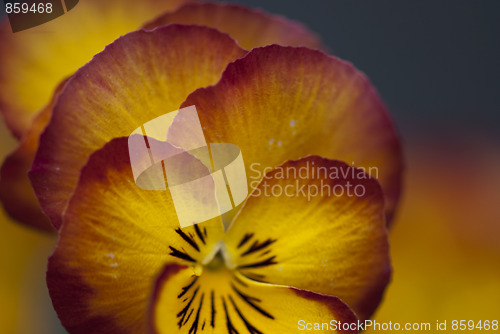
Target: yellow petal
[(137, 78), (251, 28), (315, 224), (280, 103), (219, 301), (115, 240), (34, 61)]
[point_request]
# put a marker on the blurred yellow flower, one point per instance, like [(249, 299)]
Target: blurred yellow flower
[(444, 244)]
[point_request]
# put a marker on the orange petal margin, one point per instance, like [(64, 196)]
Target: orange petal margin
[(16, 192), (315, 224), (115, 241), (33, 62), (283, 103), (223, 302), (251, 28), (139, 77)]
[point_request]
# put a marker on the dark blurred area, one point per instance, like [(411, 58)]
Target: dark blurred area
[(435, 63)]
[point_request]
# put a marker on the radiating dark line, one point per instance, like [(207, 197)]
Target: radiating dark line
[(237, 279), (251, 301), (230, 327), (246, 237), (256, 277), (266, 252), (187, 287), (180, 255), (188, 239), (200, 235), (249, 326), (267, 262), (243, 295), (189, 316), (185, 309), (256, 246), (203, 326), (194, 326), (205, 231), (212, 297)]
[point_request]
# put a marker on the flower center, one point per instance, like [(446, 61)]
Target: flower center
[(217, 262)]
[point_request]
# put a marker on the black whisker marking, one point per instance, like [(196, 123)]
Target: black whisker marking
[(181, 255), (230, 327), (255, 277), (198, 232), (266, 252), (265, 263), (189, 316), (182, 314), (212, 297), (194, 326), (249, 326), (251, 301), (256, 246), (187, 287), (237, 279), (246, 237), (188, 239)]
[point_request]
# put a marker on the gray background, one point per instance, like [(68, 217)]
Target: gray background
[(435, 63)]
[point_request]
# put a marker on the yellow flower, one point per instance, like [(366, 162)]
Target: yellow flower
[(280, 254), (444, 246), (123, 266)]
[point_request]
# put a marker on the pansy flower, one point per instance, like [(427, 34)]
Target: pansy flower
[(36, 62), (122, 264)]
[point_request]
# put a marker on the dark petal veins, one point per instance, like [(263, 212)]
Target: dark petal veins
[(269, 261), (186, 288), (256, 246), (188, 239), (245, 238), (181, 255), (249, 326), (212, 299), (230, 327), (252, 302), (193, 316), (198, 232)]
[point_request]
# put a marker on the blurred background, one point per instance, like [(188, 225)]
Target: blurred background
[(435, 63)]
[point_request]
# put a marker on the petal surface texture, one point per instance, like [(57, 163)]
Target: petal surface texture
[(218, 302), (139, 77), (115, 241), (315, 224), (34, 61), (283, 103), (251, 28)]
